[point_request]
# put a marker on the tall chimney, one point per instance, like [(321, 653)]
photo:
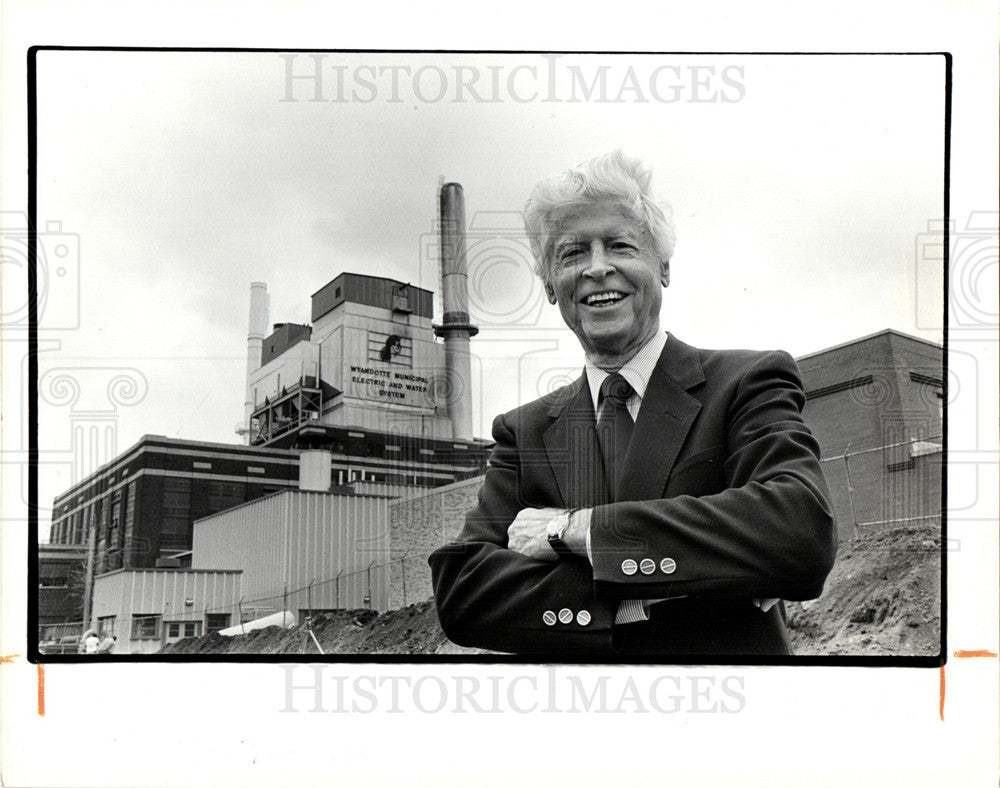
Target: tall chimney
[(255, 341), (456, 328)]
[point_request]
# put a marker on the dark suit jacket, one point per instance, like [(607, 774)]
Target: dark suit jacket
[(722, 491)]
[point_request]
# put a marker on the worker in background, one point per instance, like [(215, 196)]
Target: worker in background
[(91, 642)]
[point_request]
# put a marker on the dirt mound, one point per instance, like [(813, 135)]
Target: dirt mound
[(883, 598), (410, 630)]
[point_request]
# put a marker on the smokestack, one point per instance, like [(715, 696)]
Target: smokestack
[(255, 341), (456, 328)]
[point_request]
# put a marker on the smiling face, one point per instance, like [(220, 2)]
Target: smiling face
[(606, 279)]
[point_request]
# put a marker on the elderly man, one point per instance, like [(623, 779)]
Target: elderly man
[(665, 502)]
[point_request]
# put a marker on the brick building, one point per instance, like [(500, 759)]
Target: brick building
[(140, 507), (60, 583), (876, 405)]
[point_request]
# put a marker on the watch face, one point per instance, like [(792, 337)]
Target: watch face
[(556, 529)]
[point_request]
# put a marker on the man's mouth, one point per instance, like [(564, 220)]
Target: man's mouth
[(605, 299)]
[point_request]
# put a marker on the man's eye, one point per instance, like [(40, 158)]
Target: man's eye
[(622, 246), (568, 255)]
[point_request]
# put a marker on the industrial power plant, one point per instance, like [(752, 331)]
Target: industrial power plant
[(369, 359), (369, 403)]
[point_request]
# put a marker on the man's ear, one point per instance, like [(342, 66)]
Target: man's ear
[(665, 273), (550, 292)]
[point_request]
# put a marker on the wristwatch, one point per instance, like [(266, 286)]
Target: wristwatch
[(556, 531)]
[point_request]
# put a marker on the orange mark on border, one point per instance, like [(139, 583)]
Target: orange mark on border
[(941, 704), (41, 690), (10, 659), (981, 653)]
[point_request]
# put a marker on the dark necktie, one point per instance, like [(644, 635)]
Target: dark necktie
[(614, 427)]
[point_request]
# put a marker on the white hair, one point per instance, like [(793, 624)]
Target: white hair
[(613, 177)]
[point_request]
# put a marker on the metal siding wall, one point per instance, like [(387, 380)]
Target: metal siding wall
[(257, 542), (163, 593), (421, 302), (298, 537), (367, 291), (331, 535), (324, 300), (108, 595), (378, 293), (250, 538)]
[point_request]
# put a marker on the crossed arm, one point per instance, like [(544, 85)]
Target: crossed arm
[(768, 533)]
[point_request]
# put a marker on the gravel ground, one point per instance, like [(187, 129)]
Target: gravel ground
[(883, 598)]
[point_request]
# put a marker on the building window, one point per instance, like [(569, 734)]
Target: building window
[(255, 469), (145, 627), (182, 629), (129, 515), (116, 512), (202, 465), (225, 495), (53, 577), (106, 626), (175, 528), (216, 621)]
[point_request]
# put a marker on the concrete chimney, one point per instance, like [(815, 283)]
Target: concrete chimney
[(255, 341), (456, 328)]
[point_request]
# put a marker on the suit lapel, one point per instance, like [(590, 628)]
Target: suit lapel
[(572, 449), (666, 416)]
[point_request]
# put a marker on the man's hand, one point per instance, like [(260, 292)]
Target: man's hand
[(528, 534)]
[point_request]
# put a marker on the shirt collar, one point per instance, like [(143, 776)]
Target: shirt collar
[(637, 370)]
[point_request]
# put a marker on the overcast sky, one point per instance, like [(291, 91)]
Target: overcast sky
[(800, 186)]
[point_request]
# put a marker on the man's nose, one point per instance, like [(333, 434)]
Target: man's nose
[(598, 266)]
